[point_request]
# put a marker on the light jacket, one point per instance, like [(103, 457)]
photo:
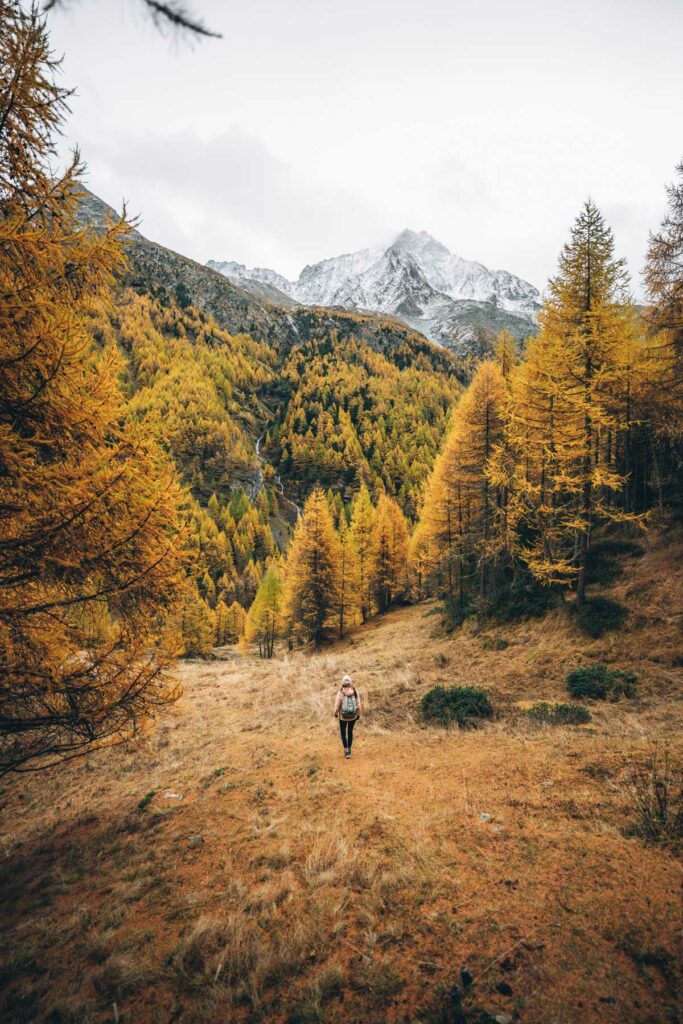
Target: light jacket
[(338, 702)]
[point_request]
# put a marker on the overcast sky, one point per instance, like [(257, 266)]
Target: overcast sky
[(316, 127)]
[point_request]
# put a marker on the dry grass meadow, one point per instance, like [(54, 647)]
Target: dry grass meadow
[(233, 867)]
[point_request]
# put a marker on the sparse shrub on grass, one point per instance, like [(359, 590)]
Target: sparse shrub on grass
[(216, 950), (559, 714), (120, 976), (445, 1007), (310, 1009), (654, 789), (597, 682), (600, 615), (463, 705), (379, 980), (147, 798), (325, 856), (494, 643)]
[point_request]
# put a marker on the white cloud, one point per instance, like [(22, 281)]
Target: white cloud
[(312, 129), (230, 197)]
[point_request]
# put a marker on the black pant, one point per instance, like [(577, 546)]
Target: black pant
[(347, 732)]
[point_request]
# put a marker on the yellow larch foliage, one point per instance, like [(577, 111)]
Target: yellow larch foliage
[(461, 534), (89, 517), (389, 567), (313, 573)]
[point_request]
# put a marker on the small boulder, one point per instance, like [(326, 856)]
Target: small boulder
[(195, 840)]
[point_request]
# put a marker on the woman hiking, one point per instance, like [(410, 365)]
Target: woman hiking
[(347, 709)]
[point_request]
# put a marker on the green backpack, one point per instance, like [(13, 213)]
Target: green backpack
[(349, 707)]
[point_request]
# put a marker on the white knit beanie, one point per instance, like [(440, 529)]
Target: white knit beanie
[(346, 681)]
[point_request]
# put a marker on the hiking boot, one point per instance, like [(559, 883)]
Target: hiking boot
[(347, 752)]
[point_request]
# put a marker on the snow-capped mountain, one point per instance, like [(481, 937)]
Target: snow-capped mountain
[(417, 279)]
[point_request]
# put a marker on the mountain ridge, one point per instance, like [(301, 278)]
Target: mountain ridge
[(416, 278), (248, 310)]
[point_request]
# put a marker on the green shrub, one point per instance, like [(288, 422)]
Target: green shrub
[(599, 615), (462, 704), (597, 682), (559, 714)]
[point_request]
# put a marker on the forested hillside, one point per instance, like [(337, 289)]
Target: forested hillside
[(339, 400)]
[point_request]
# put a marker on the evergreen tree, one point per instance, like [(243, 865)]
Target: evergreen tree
[(661, 406), (312, 572), (664, 277), (264, 620)]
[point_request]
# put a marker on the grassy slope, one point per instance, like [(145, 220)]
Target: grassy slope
[(325, 890)]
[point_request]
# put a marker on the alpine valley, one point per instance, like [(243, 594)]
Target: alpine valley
[(456, 302), (225, 497)]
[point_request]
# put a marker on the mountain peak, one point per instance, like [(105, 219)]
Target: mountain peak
[(412, 241), (416, 278)]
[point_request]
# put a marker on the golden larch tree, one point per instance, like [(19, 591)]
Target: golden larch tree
[(349, 578), (89, 521), (389, 572), (460, 523), (585, 325), (362, 530), (312, 572)]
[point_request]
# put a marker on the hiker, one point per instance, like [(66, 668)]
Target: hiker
[(347, 709)]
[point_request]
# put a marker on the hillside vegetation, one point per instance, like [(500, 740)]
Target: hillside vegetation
[(232, 866)]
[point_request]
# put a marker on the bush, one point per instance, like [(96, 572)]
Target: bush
[(559, 714), (599, 615), (655, 793), (597, 682), (462, 704)]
